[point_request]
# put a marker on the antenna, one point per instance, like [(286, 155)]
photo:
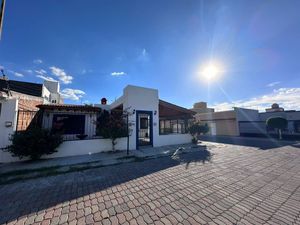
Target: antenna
[(7, 83)]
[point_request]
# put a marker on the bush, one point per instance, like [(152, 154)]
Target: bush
[(278, 123), (197, 129), (34, 143), (112, 125)]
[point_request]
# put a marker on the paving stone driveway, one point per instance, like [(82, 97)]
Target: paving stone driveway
[(240, 185)]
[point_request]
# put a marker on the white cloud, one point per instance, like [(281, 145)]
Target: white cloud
[(118, 74), (72, 94), (143, 56), (28, 71), (19, 74), (288, 98), (273, 84), (16, 73), (38, 61), (41, 72), (61, 74), (45, 77)]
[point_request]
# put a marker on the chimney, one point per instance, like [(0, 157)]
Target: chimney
[(103, 101)]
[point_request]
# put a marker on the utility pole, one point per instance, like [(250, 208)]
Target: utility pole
[(2, 16)]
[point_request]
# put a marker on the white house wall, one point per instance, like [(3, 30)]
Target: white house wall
[(145, 99), (173, 139), (85, 147), (9, 111)]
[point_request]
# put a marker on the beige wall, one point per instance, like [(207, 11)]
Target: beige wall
[(220, 123)]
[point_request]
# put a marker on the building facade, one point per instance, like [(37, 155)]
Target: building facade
[(18, 105), (152, 122), (250, 122)]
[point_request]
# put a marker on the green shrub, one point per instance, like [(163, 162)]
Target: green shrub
[(278, 123), (197, 129), (112, 125), (34, 143)]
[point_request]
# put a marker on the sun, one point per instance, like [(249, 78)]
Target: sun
[(211, 71)]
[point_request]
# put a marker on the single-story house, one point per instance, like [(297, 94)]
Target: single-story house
[(249, 122), (152, 122)]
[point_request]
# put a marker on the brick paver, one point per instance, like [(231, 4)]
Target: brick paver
[(239, 185)]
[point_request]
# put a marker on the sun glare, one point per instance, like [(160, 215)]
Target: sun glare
[(211, 71)]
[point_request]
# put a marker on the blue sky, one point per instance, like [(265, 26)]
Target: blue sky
[(95, 48)]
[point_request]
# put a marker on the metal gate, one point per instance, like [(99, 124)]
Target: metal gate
[(144, 129)]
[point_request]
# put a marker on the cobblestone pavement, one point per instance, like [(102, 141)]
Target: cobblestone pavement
[(238, 185)]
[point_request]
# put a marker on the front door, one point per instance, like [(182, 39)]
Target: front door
[(144, 128)]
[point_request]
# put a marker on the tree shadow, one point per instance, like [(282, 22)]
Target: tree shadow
[(200, 156), (32, 196), (261, 143)]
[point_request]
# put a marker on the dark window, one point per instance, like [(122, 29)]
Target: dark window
[(0, 108), (172, 126), (144, 123), (68, 124)]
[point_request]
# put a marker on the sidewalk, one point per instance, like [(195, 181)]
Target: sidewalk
[(46, 167)]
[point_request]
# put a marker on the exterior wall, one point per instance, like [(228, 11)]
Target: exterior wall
[(9, 109), (258, 127), (46, 95), (139, 98), (220, 123), (252, 122), (289, 115), (246, 114), (173, 139), (52, 86), (72, 148), (29, 104), (226, 127), (84, 147), (146, 99)]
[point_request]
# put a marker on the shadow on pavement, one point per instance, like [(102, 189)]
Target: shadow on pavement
[(31, 196), (201, 156), (262, 143)]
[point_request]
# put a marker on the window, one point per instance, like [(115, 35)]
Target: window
[(144, 123), (172, 126), (0, 108), (68, 124)]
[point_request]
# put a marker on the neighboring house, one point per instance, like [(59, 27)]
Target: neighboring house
[(220, 123), (18, 101), (249, 122), (201, 107), (256, 125)]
